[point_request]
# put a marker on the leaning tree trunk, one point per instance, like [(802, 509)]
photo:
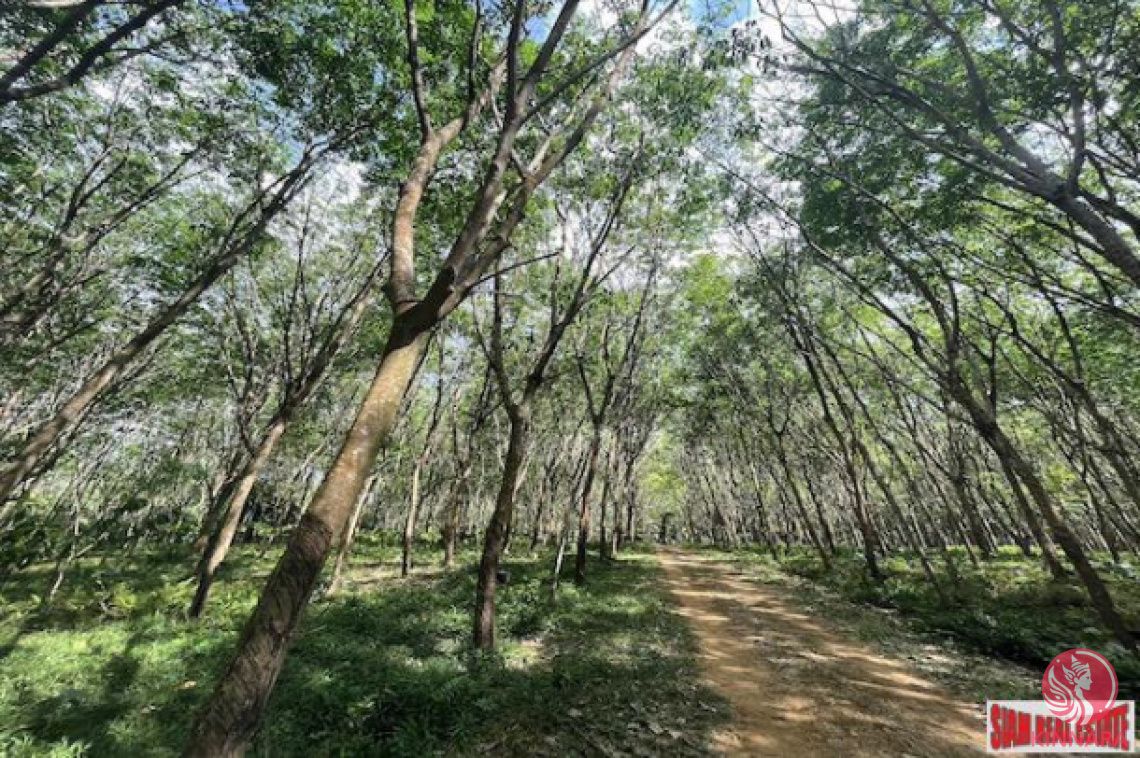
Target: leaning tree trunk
[(1032, 520), (223, 537), (762, 511), (1113, 247), (1004, 449), (229, 718), (217, 495), (801, 507), (821, 517), (907, 527), (349, 536), (957, 477), (862, 516)]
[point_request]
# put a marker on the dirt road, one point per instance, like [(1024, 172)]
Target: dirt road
[(801, 690)]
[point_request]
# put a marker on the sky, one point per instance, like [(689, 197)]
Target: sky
[(737, 10)]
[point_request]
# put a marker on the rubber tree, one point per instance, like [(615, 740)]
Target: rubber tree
[(619, 363), (232, 713), (947, 360), (299, 385), (242, 236), (996, 74), (519, 402)]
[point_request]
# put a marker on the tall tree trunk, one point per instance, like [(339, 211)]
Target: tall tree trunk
[(495, 536), (223, 537), (957, 476), (762, 512), (862, 517), (1032, 520), (615, 532), (584, 506), (797, 497), (421, 461), (1003, 448), (969, 509), (546, 491), (560, 554), (410, 520), (229, 718), (910, 534), (817, 504), (607, 487), (629, 536), (450, 527)]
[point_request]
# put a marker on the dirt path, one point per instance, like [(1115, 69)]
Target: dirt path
[(797, 688)]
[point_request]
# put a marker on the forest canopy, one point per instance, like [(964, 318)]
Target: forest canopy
[(853, 288)]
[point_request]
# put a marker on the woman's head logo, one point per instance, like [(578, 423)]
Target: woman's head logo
[(1079, 684)]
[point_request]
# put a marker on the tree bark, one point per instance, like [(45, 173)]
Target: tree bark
[(493, 541), (584, 507), (229, 718), (220, 541)]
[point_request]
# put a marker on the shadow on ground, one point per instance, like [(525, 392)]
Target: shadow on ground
[(608, 669)]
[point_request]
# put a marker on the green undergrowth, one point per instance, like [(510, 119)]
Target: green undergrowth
[(112, 667), (1009, 607)]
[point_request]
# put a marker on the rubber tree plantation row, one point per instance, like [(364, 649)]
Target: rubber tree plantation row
[(450, 284)]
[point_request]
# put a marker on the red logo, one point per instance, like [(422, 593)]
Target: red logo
[(1079, 684)]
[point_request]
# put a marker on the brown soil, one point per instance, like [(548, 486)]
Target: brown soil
[(800, 689)]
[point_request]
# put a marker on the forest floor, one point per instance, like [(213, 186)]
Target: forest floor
[(112, 667), (669, 653), (797, 685)]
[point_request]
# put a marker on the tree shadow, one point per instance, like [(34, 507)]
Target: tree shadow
[(390, 673), (607, 669), (86, 716)]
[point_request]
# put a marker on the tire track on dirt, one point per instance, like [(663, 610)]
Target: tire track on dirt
[(800, 689)]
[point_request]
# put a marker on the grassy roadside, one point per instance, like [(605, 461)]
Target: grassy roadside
[(1003, 624), (383, 668)]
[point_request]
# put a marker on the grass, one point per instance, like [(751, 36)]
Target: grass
[(383, 668), (1009, 608), (112, 666)]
